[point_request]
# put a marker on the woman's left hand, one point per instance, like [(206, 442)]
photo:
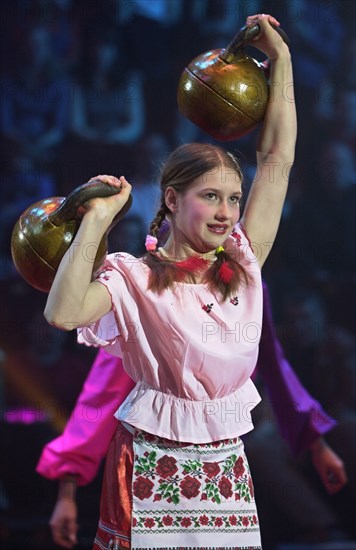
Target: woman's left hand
[(268, 40), (108, 207), (329, 466)]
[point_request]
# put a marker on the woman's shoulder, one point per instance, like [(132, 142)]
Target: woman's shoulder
[(125, 266), (239, 244), (123, 261)]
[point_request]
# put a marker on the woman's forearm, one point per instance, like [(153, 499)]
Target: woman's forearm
[(279, 130), (67, 487)]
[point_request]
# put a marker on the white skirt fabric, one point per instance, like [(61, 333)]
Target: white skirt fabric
[(192, 496)]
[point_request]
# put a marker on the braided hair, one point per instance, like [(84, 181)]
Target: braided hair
[(183, 166)]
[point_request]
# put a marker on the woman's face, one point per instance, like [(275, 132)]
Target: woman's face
[(205, 215)]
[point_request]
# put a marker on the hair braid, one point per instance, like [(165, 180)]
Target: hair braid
[(158, 220), (238, 276)]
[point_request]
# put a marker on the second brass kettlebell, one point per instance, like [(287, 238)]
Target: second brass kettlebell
[(225, 91)]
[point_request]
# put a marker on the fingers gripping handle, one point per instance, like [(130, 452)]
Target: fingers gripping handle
[(68, 210), (244, 37)]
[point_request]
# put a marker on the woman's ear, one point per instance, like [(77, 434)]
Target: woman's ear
[(171, 199)]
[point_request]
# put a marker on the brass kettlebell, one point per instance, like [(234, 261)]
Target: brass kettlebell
[(45, 231), (225, 91)]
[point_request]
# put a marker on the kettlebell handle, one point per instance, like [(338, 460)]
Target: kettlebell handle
[(68, 210), (244, 37)]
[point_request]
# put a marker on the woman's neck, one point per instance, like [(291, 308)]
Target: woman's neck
[(179, 252)]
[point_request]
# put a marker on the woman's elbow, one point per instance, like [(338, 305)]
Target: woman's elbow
[(58, 322)]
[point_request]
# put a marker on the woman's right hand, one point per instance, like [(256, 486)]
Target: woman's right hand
[(63, 522), (107, 208)]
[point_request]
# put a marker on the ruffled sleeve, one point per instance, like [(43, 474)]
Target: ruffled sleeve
[(119, 323)]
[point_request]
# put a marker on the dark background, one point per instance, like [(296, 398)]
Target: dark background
[(89, 87)]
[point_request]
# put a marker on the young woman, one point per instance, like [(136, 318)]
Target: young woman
[(186, 320), (74, 457)]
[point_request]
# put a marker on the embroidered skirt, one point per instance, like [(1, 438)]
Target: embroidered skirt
[(159, 493)]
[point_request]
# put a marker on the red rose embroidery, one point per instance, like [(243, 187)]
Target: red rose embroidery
[(142, 488), (254, 519), (104, 274), (218, 522), (134, 522), (166, 466), (245, 521), (190, 487), (167, 520), (239, 467), (149, 522), (204, 520), (225, 487), (157, 497), (237, 237), (211, 469), (233, 520), (186, 522)]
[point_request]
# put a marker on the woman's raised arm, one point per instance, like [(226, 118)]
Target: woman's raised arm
[(276, 144)]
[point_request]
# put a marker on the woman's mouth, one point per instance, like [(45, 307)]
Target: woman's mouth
[(219, 229)]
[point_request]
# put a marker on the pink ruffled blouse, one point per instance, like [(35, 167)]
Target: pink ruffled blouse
[(190, 354)]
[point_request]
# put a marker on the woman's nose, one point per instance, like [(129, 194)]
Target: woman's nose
[(223, 211)]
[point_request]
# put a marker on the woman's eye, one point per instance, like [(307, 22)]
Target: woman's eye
[(235, 199), (211, 196)]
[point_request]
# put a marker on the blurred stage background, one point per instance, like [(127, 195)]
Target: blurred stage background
[(89, 87)]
